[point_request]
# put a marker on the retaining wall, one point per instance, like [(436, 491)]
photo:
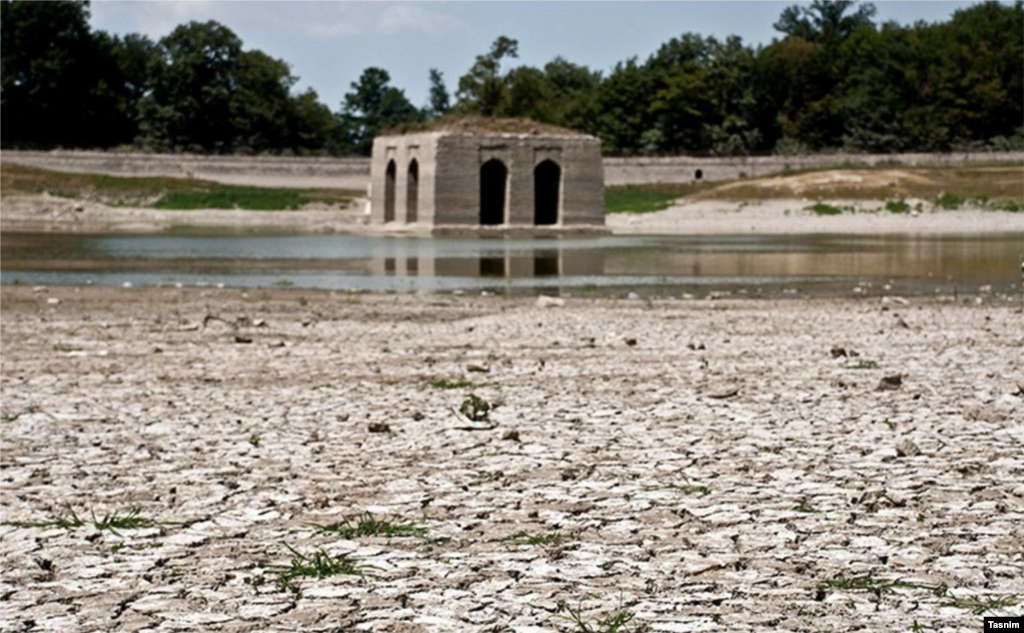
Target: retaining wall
[(354, 173)]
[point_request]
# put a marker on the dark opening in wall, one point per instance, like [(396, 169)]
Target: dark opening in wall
[(547, 185), (412, 190), (493, 182), (389, 192), (698, 175)]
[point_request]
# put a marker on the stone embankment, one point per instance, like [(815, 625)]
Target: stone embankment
[(354, 173), (800, 465)]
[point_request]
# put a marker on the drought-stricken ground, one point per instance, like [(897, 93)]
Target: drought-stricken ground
[(799, 465)]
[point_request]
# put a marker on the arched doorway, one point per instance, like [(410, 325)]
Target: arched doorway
[(412, 191), (389, 192), (547, 184), (493, 182)]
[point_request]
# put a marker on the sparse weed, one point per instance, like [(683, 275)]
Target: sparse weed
[(977, 606), (475, 408), (805, 507), (67, 521), (864, 364), (621, 620), (870, 584), (948, 201), (129, 521), (255, 440), (367, 525), (553, 539), (319, 564), (112, 522)]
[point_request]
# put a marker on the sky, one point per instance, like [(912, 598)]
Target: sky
[(329, 43)]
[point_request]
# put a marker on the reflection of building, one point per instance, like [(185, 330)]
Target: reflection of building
[(499, 264), (488, 173)]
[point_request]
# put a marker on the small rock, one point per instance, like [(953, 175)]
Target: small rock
[(418, 415), (838, 352), (631, 342), (53, 301), (242, 339), (906, 448), (890, 383), (724, 393), (378, 427), (545, 301), (510, 436), (478, 368)]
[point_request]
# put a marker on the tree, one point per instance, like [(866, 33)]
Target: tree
[(482, 89), (58, 84), (372, 106), (440, 102), (195, 76), (825, 21), (261, 103)]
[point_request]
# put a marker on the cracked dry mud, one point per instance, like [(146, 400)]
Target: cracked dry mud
[(706, 465)]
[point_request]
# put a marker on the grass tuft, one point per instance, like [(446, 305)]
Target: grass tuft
[(367, 525), (319, 564), (977, 606), (621, 620)]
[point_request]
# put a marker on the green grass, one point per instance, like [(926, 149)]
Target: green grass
[(161, 192), (870, 584), (977, 606), (112, 522), (367, 525), (621, 620), (319, 564), (897, 206), (644, 198), (820, 208), (864, 364)]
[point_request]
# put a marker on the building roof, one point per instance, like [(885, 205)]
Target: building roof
[(478, 125)]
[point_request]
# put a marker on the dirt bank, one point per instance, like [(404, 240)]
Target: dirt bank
[(802, 465)]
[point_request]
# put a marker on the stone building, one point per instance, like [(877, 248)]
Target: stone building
[(487, 173)]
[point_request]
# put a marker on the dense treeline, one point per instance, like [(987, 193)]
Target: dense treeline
[(834, 79)]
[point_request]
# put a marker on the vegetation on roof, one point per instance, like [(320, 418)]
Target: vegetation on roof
[(482, 125)]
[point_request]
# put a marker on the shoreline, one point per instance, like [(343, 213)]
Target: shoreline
[(53, 214)]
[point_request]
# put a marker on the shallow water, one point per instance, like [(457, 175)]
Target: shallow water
[(804, 264)]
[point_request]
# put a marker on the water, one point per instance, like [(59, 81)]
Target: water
[(763, 265)]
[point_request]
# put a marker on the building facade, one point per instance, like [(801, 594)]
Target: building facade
[(465, 178)]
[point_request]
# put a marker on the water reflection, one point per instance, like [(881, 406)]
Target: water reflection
[(811, 263), (514, 263)]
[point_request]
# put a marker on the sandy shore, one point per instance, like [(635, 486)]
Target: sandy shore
[(48, 213), (703, 465)]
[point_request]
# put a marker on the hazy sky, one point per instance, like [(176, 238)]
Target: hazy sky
[(329, 43)]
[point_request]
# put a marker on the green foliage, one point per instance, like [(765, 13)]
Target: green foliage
[(553, 539), (978, 606), (897, 206), (319, 564), (820, 208), (112, 522), (444, 383), (367, 525), (372, 106), (833, 80), (621, 620), (949, 201), (643, 198)]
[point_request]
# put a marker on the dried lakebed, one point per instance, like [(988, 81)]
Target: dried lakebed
[(801, 465)]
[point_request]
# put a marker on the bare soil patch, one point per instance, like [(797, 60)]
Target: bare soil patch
[(811, 465)]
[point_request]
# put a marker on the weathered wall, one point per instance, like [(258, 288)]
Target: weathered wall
[(268, 171), (450, 176), (354, 173), (682, 169)]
